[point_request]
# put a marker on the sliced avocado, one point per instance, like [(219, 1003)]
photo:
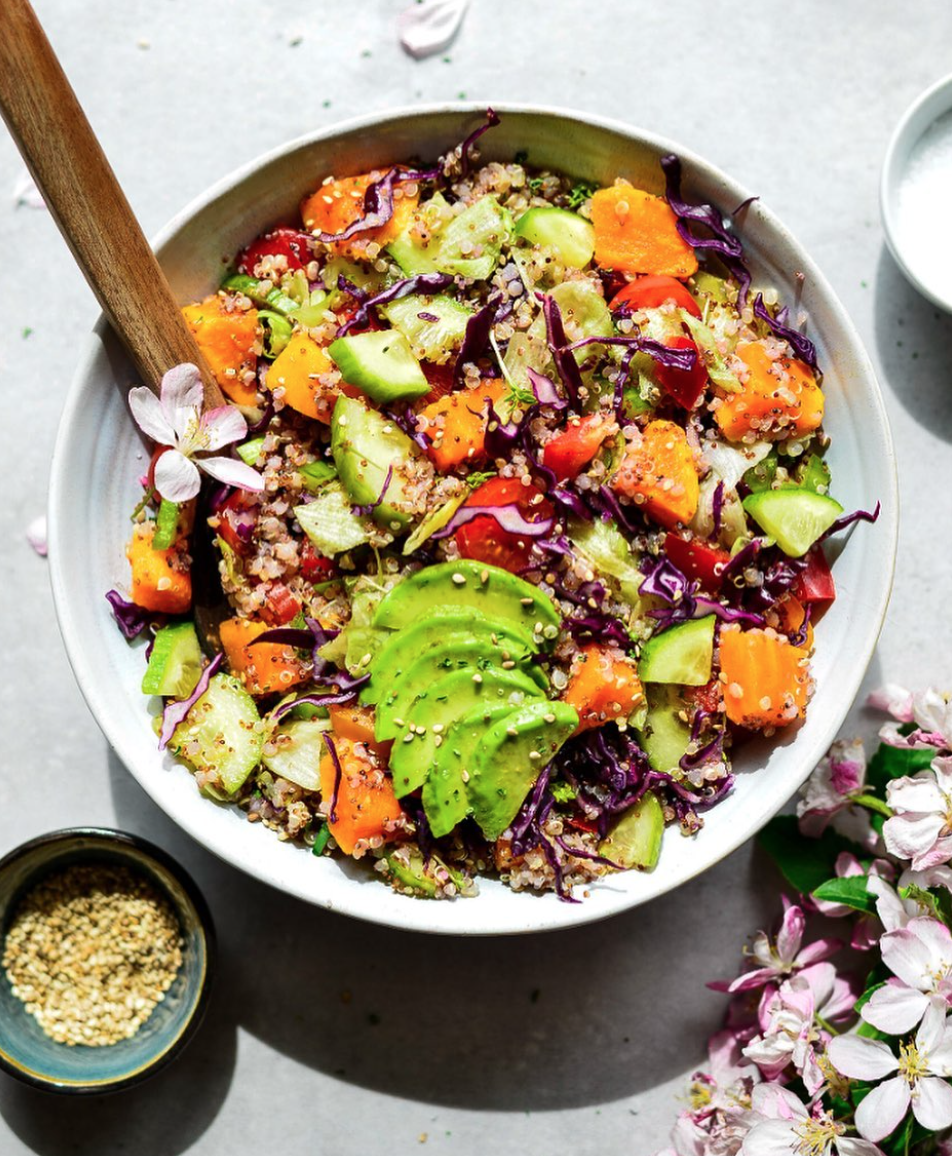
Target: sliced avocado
[(681, 654), (366, 447), (445, 796), (494, 591), (635, 840), (665, 736), (381, 363), (472, 656), (440, 627), (435, 711), (509, 758)]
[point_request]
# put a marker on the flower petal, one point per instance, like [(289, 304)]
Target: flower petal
[(790, 934), (883, 1109), (851, 1146), (176, 478), (932, 1107), (932, 710), (895, 1009), (860, 1058), (776, 1102), (770, 1138), (182, 396), (233, 472), (907, 956), (819, 949), (894, 700), (150, 416), (222, 426), (911, 837)]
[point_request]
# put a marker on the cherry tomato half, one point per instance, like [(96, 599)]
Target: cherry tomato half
[(484, 540)]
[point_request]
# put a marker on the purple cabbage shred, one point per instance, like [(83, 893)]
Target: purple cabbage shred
[(422, 283), (802, 346), (130, 619), (175, 712)]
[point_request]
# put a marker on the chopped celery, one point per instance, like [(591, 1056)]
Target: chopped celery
[(330, 522), (813, 474), (166, 525), (321, 839), (262, 293), (316, 475), (250, 451)]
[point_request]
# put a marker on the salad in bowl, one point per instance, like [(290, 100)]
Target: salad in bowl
[(517, 519)]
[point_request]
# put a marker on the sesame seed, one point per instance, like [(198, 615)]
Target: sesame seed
[(459, 579)]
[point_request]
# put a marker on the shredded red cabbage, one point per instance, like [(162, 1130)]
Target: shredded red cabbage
[(175, 712), (722, 241), (476, 337), (315, 637), (605, 502), (664, 580), (130, 619), (365, 511), (717, 506), (849, 519), (684, 359), (802, 346), (404, 418), (315, 700), (509, 518), (338, 775), (565, 364), (421, 283), (596, 627), (263, 422), (544, 389), (466, 148)]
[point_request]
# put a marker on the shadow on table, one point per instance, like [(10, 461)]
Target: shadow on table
[(914, 342)]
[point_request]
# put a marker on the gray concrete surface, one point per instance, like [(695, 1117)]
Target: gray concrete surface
[(327, 1036)]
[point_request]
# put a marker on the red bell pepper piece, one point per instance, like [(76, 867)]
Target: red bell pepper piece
[(815, 583), (282, 242), (685, 386), (570, 451), (652, 292), (315, 567), (484, 540), (697, 560), (236, 521), (280, 605)]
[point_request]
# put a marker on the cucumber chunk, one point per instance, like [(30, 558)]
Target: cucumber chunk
[(296, 748), (380, 363), (430, 340), (635, 840), (665, 735), (221, 733), (175, 664), (794, 517), (366, 446), (569, 236), (682, 654)]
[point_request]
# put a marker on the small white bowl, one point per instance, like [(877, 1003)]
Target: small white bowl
[(98, 457), (915, 192)]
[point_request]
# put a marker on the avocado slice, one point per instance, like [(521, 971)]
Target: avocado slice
[(509, 758), (494, 591), (471, 655), (439, 706), (445, 797), (437, 628)]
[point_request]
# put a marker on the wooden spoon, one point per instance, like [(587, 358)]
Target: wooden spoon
[(81, 191)]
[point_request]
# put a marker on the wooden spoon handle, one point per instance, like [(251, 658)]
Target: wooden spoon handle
[(70, 169)]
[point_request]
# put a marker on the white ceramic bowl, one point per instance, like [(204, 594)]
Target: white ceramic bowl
[(916, 188), (98, 457)]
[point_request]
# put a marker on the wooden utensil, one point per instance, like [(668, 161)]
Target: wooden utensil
[(81, 191)]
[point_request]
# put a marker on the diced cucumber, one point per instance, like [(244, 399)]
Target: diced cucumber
[(249, 451), (277, 332), (366, 447), (430, 340), (665, 735), (381, 363), (330, 522), (221, 732), (298, 747), (794, 517), (710, 286), (715, 364), (569, 236), (166, 525), (682, 654), (635, 840), (175, 664), (315, 475), (761, 476), (469, 245)]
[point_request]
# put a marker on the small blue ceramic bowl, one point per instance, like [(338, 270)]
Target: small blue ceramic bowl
[(30, 1055)]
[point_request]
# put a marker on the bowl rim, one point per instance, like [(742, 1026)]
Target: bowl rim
[(110, 838), (937, 101), (565, 915)]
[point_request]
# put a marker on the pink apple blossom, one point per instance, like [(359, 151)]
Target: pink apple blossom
[(175, 419), (784, 1126), (920, 957), (838, 777), (781, 957), (921, 826), (931, 711)]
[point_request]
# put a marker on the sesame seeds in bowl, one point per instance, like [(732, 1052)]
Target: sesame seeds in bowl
[(106, 954)]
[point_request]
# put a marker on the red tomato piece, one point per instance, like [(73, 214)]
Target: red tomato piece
[(315, 567), (685, 386), (815, 583), (708, 697), (282, 242), (652, 292), (484, 540), (570, 451), (697, 560), (236, 521), (280, 605)]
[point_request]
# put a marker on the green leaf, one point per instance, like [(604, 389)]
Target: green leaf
[(890, 763), (868, 995), (851, 892), (898, 1144), (937, 904), (805, 863)]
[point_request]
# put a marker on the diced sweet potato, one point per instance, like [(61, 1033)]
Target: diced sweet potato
[(365, 806), (636, 232), (456, 424), (780, 398), (298, 370), (264, 667), (603, 686), (660, 474), (338, 203), (229, 342), (160, 578), (765, 678)]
